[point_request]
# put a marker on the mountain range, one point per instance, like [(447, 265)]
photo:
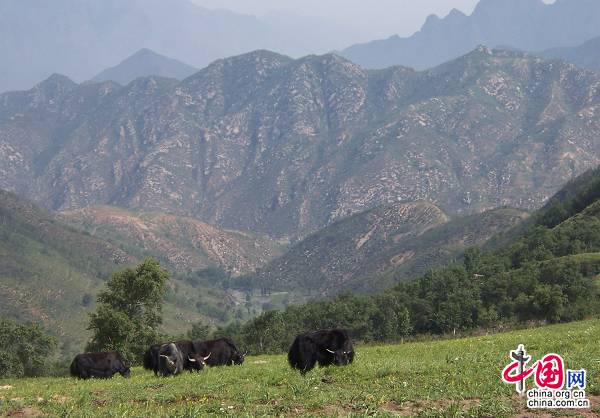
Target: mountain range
[(80, 38), (529, 25), (145, 63), (264, 143)]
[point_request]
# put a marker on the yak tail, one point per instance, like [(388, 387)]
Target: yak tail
[(294, 354), (148, 360), (74, 369)]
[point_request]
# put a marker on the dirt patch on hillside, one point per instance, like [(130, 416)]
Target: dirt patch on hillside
[(26, 412), (412, 408)]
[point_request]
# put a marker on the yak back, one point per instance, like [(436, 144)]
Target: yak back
[(222, 351), (101, 365)]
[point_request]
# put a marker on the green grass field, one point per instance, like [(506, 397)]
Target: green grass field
[(449, 378)]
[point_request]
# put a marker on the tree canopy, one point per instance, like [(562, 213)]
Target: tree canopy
[(129, 311)]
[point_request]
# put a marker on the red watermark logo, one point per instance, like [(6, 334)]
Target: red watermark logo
[(555, 385)]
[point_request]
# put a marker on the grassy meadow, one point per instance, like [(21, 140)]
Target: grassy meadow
[(444, 378)]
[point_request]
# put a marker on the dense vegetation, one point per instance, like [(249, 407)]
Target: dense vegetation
[(549, 274), (456, 378), (25, 349)]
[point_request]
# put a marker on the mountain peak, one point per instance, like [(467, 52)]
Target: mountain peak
[(55, 84), (57, 80), (259, 56), (482, 49), (144, 63)]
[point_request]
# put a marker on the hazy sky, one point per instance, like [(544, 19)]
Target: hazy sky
[(375, 18)]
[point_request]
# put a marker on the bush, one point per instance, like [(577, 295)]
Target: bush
[(25, 349)]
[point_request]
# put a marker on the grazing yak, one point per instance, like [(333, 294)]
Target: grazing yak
[(100, 365), (170, 360), (326, 347), (191, 360), (221, 352)]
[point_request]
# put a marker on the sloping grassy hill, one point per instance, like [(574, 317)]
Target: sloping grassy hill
[(51, 272), (452, 378), (391, 242)]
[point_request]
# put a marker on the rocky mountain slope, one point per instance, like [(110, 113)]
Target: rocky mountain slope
[(145, 63), (375, 249), (284, 147), (180, 243), (586, 55), (530, 25)]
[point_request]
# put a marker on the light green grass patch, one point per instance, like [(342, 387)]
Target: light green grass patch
[(452, 378)]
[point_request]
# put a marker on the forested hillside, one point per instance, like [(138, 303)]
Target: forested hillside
[(548, 273)]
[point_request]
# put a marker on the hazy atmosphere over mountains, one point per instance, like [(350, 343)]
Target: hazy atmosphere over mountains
[(81, 38), (529, 25)]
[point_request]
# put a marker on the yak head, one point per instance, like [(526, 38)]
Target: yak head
[(126, 372), (341, 357), (197, 361), (237, 358), (171, 365)]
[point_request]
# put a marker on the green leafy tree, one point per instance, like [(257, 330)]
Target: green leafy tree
[(199, 331), (24, 349), (129, 311)]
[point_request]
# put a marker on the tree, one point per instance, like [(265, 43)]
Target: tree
[(24, 349), (199, 331), (129, 311)]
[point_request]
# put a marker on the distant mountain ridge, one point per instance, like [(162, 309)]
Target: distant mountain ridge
[(145, 63), (261, 142), (79, 38), (586, 55), (529, 25)]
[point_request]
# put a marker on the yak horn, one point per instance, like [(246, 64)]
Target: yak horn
[(191, 359), (162, 355), (332, 352), (206, 358)]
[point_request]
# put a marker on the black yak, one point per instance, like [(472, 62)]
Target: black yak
[(221, 352), (170, 360), (326, 347), (100, 365), (191, 360)]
